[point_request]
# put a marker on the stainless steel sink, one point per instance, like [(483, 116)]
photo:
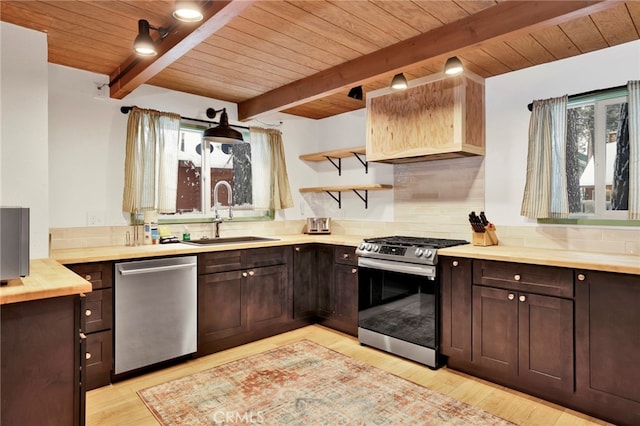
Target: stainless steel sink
[(228, 240)]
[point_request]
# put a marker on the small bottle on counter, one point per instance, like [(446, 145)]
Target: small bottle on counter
[(186, 236), (150, 227)]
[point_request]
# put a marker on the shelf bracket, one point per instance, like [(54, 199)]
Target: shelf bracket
[(363, 162), (337, 166), (365, 198), (338, 198)]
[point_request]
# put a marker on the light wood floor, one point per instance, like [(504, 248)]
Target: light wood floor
[(118, 404)]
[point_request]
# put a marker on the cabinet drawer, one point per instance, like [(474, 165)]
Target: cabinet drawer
[(219, 261), (345, 255), (100, 274), (99, 359), (98, 310), (548, 280), (256, 258)]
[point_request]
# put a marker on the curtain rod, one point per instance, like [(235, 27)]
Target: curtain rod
[(589, 93), (126, 109)]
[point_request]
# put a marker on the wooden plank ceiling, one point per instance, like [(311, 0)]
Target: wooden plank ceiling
[(302, 57)]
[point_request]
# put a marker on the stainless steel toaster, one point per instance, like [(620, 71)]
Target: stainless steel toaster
[(318, 225)]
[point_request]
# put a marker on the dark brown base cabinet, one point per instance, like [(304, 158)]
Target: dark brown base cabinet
[(514, 324), (243, 295), (608, 345), (98, 317), (40, 346), (326, 286)]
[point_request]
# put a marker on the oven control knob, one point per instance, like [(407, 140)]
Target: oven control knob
[(419, 252), (369, 247), (428, 253), (376, 248), (362, 246)]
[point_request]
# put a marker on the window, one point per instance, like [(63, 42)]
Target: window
[(201, 164), (598, 157)]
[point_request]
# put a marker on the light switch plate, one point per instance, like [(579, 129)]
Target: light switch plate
[(95, 218)]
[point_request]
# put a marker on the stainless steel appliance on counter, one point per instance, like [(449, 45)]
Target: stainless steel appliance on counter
[(156, 311), (399, 296), (318, 225), (14, 244)]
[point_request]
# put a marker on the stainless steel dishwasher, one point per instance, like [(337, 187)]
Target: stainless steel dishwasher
[(155, 311)]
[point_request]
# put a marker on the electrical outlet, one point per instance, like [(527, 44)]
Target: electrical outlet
[(95, 219)]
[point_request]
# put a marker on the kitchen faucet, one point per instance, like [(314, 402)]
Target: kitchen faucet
[(217, 219)]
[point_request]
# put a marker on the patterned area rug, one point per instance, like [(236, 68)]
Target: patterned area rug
[(304, 383)]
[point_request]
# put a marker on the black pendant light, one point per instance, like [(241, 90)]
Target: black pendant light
[(144, 45), (399, 82), (222, 133), (356, 93), (453, 66)]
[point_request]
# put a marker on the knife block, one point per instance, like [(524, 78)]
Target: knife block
[(487, 238)]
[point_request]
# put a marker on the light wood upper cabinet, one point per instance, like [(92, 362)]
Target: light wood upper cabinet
[(437, 117)]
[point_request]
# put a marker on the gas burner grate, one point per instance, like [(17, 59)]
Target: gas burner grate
[(405, 241)]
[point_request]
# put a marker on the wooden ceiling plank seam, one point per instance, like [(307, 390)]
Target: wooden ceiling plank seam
[(507, 55), (529, 47), (317, 25), (248, 60), (171, 77), (484, 61), (12, 12), (173, 46), (584, 34), (633, 7), (444, 11), (204, 61), (492, 24), (224, 75), (317, 59), (616, 26), (556, 42), (475, 6), (331, 13), (269, 50), (291, 29), (154, 12), (369, 12), (411, 14)]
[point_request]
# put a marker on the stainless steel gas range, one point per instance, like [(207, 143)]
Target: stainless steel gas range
[(399, 296)]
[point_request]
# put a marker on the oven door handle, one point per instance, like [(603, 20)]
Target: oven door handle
[(402, 267)]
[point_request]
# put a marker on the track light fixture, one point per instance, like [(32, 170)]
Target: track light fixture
[(399, 82), (222, 133), (187, 11), (144, 45), (453, 66), (356, 93)]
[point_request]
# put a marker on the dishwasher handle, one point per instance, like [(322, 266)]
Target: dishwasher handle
[(137, 271)]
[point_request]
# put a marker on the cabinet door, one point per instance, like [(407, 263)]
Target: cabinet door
[(345, 289), (305, 290), (324, 278), (256, 258), (608, 344), (266, 296), (221, 306), (98, 310), (455, 282), (98, 359), (495, 328), (545, 342)]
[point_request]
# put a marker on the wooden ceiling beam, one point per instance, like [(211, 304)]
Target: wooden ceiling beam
[(507, 18), (135, 70)]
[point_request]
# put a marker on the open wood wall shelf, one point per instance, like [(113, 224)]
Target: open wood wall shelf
[(362, 191), (338, 154)]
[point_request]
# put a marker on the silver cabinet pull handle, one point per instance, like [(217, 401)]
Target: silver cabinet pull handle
[(354, 270), (88, 277), (251, 273), (87, 355), (297, 248), (455, 263), (88, 312), (581, 277), (244, 274), (511, 296), (516, 277), (522, 298)]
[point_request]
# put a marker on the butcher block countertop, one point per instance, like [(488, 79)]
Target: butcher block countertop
[(97, 254), (628, 264), (47, 278)]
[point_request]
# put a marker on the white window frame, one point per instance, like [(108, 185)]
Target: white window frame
[(599, 154)]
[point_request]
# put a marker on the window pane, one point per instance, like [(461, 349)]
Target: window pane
[(231, 163), (617, 157), (189, 198), (580, 159)]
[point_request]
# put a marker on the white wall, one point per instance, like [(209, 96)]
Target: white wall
[(507, 116), (23, 136)]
